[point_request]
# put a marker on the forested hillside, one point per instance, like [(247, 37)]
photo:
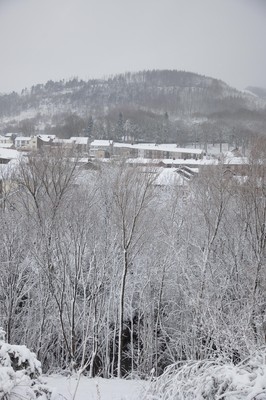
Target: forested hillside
[(162, 106)]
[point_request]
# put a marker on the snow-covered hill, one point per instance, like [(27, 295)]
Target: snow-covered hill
[(142, 98)]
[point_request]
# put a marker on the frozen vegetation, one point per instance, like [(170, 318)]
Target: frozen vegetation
[(115, 276), (212, 379), (20, 378)]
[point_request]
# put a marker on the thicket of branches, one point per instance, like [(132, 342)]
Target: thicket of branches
[(103, 271)]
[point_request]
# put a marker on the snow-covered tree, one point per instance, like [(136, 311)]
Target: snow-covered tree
[(20, 373)]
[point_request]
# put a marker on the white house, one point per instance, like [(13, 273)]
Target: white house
[(26, 142), (6, 141)]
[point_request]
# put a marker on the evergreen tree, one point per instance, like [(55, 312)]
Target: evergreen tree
[(165, 127), (89, 129), (120, 127)]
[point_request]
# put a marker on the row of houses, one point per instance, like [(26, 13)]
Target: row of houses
[(31, 143), (175, 166), (102, 148)]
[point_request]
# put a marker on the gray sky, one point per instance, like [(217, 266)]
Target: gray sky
[(60, 39)]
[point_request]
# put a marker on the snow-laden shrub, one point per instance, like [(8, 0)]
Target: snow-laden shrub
[(20, 373), (212, 379), (19, 358)]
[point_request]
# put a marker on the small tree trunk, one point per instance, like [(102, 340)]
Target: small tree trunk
[(121, 315)]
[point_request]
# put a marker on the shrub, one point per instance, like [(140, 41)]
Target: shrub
[(212, 379), (20, 373)]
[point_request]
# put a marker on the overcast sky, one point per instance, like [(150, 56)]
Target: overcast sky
[(60, 39)]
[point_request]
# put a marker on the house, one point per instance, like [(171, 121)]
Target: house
[(40, 141), (26, 142), (6, 142)]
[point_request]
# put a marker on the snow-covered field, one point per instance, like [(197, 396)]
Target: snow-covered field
[(97, 388)]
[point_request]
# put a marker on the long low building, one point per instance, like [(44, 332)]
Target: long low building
[(161, 151), (108, 148)]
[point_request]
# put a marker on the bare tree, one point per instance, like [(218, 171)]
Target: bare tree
[(132, 193)]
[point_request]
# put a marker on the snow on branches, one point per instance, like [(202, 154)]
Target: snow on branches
[(212, 380), (19, 373)]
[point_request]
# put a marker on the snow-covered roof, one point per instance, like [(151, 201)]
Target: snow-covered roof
[(122, 145), (6, 145), (62, 141), (9, 153), (10, 134), (161, 147), (154, 146), (79, 139), (169, 177), (46, 138), (101, 143), (19, 138), (141, 160)]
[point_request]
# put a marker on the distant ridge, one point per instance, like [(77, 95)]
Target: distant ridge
[(258, 91)]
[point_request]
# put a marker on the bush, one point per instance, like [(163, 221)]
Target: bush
[(20, 373), (212, 379)]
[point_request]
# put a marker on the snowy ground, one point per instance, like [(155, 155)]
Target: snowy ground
[(98, 388)]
